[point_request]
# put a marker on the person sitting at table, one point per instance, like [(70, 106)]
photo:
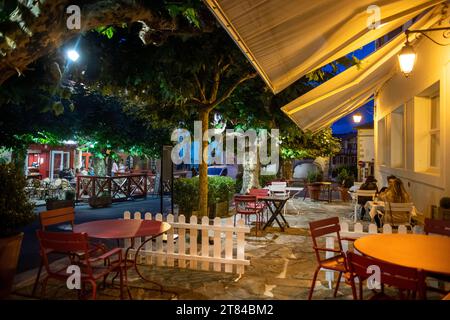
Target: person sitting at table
[(369, 184), (390, 180), (395, 193)]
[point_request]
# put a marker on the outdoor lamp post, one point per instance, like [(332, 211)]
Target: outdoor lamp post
[(357, 117)]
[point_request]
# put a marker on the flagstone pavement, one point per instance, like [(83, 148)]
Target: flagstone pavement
[(281, 267)]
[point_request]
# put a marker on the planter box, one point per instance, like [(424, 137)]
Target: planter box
[(219, 210), (344, 194), (58, 204), (314, 191), (9, 256), (100, 202)]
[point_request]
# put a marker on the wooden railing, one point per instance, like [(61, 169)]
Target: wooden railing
[(179, 248), (120, 188)]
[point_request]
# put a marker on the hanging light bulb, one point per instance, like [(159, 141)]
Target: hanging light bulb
[(407, 58), (357, 117)]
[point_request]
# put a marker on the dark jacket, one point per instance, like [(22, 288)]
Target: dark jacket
[(372, 185)]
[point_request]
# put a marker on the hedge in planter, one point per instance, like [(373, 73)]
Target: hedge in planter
[(15, 212), (220, 192)]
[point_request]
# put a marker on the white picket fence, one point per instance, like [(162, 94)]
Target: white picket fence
[(358, 232), (179, 247)]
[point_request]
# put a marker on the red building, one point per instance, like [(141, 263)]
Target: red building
[(46, 161)]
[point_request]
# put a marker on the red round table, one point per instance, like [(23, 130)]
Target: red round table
[(125, 229), (122, 229)]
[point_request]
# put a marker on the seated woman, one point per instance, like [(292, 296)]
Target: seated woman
[(395, 193), (369, 184)]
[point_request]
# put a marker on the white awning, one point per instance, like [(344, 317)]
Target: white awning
[(352, 88), (286, 39)]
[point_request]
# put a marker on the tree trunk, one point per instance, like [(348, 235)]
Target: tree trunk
[(287, 169), (99, 167), (203, 167), (252, 170), (18, 157)]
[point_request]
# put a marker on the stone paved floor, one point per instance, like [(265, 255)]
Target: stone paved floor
[(281, 267)]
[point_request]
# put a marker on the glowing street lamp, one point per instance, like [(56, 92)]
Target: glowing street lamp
[(357, 117), (73, 55), (406, 59)]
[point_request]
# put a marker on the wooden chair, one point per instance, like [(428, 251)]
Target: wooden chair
[(246, 205), (361, 193), (402, 278), (441, 227), (72, 244), (58, 217), (338, 262), (397, 214)]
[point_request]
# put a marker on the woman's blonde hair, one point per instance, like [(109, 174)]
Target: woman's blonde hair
[(398, 192)]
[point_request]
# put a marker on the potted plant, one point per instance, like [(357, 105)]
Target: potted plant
[(103, 201), (53, 203), (15, 212), (314, 186), (345, 181)]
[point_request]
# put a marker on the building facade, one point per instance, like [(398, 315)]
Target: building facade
[(412, 139)]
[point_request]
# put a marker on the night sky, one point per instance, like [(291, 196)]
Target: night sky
[(346, 124)]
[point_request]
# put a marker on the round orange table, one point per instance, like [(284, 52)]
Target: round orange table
[(429, 253)]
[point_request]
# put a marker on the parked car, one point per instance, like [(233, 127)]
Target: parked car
[(217, 171)]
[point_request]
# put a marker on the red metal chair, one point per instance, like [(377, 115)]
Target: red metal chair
[(92, 268), (246, 205), (59, 217), (439, 227), (433, 226), (402, 278), (260, 204), (338, 262)]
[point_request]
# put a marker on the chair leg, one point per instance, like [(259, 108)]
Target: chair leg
[(37, 278), (94, 289), (313, 284), (337, 284), (360, 290), (352, 283), (44, 287)]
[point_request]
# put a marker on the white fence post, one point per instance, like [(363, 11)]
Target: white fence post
[(229, 245), (217, 244), (170, 251), (193, 242), (181, 242), (159, 244), (205, 243), (148, 244), (240, 246)]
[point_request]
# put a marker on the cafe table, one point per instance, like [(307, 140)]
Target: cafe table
[(275, 203), (122, 229), (429, 253)]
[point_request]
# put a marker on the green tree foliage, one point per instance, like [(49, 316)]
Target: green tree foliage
[(15, 209)]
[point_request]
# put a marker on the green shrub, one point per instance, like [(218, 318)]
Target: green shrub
[(345, 179), (265, 179), (314, 176), (186, 194), (15, 209)]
